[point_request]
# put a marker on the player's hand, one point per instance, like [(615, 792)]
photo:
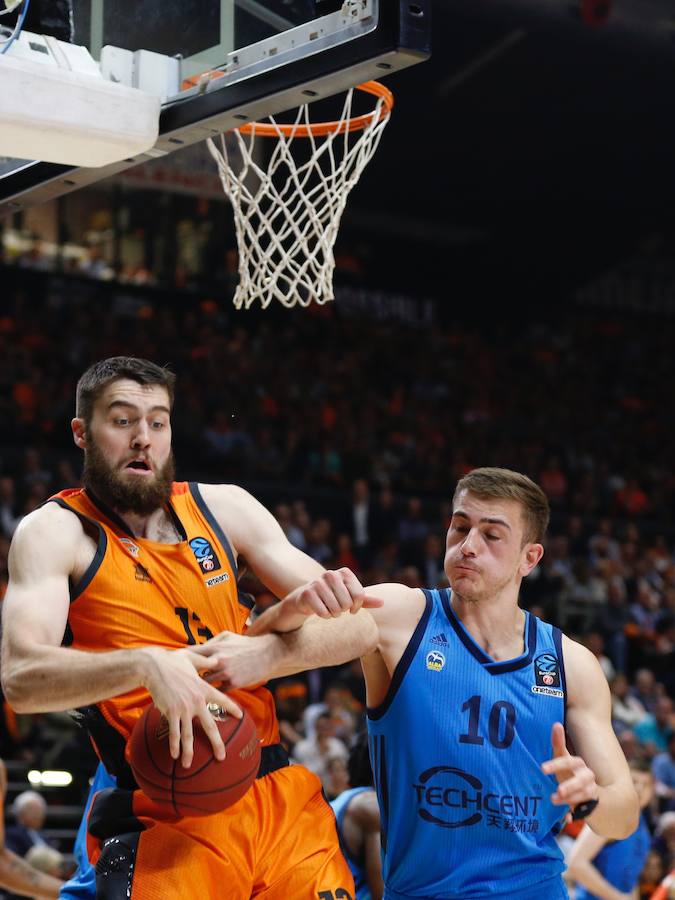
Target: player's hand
[(330, 595), (576, 782), (237, 661), (173, 678)]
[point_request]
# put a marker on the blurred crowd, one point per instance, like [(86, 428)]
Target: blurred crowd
[(367, 427)]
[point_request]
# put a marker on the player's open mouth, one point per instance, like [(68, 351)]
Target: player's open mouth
[(138, 465)]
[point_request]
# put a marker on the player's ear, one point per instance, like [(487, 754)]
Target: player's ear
[(533, 553), (79, 433)]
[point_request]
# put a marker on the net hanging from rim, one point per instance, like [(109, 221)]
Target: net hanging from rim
[(287, 215)]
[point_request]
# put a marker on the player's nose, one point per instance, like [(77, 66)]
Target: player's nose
[(468, 546), (141, 436)]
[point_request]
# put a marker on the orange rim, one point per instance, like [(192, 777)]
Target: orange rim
[(321, 129)]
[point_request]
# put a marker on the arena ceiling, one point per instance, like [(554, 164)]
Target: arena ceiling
[(533, 152)]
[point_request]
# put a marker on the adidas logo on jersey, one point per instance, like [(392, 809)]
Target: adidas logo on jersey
[(439, 639)]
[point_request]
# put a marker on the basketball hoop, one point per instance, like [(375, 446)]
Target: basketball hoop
[(287, 224)]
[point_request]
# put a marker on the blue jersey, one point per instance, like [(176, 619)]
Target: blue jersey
[(456, 748), (620, 862), (340, 805), (82, 885)]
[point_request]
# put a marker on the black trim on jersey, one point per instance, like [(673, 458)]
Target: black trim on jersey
[(109, 744), (110, 514), (177, 524), (95, 564), (112, 814), (557, 641), (377, 712), (379, 766), (211, 519), (272, 757), (492, 666)]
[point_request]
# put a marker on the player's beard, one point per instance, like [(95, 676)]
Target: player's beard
[(139, 495)]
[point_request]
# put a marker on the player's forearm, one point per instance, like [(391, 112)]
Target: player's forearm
[(585, 874), (281, 617), (618, 812), (18, 876), (325, 642), (50, 679)]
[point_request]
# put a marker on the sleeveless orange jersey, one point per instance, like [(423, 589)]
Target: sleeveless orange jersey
[(138, 592)]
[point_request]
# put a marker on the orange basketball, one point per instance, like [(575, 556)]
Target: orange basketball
[(209, 785)]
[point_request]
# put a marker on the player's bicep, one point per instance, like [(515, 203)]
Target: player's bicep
[(256, 535), (35, 607), (589, 716)]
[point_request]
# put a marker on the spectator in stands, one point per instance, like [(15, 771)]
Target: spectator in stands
[(663, 768), (664, 839), (30, 812), (646, 689), (595, 643), (627, 711), (654, 731), (337, 776), (315, 752), (294, 534), (359, 522), (8, 511)]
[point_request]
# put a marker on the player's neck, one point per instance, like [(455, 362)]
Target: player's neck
[(157, 526), (497, 624)]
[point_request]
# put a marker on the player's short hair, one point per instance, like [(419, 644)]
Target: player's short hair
[(504, 484), (97, 377), (358, 765)]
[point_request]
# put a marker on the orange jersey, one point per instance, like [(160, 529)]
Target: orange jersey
[(138, 592)]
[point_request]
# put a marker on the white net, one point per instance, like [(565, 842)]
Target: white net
[(287, 215)]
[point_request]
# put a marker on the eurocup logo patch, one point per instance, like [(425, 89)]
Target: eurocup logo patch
[(547, 675), (435, 661), (205, 555)]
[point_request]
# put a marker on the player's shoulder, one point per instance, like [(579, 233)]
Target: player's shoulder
[(50, 522), (364, 810), (402, 605), (231, 502), (582, 670)]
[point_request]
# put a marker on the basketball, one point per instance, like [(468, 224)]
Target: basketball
[(209, 785)]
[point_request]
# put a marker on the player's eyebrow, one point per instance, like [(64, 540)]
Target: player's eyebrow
[(490, 520), (125, 404)]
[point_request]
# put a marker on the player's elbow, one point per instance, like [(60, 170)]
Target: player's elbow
[(16, 690)]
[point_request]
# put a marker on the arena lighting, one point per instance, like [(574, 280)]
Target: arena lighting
[(50, 778)]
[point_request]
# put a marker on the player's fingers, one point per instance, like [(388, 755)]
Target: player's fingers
[(562, 764), (211, 731), (186, 741), (328, 598), (339, 590), (174, 735), (226, 703), (351, 582), (558, 741), (370, 602), (311, 602)]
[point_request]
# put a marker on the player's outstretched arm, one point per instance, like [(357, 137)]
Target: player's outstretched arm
[(39, 675), (378, 635), (256, 535), (16, 875), (580, 866), (599, 770)]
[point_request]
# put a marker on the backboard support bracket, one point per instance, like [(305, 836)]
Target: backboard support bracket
[(402, 39)]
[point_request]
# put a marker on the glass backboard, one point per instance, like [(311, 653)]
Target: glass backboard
[(273, 55)]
